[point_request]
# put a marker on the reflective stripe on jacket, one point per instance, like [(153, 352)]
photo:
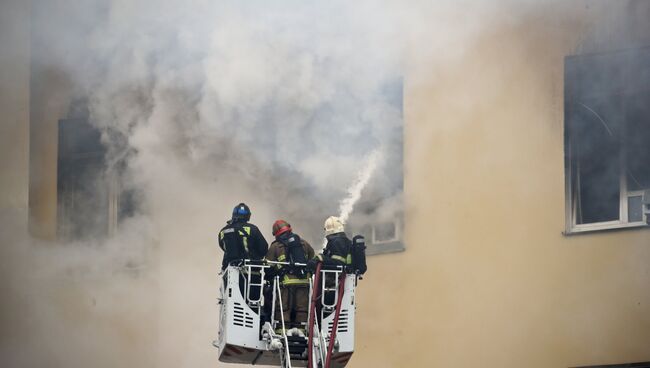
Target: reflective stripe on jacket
[(338, 250), (241, 240)]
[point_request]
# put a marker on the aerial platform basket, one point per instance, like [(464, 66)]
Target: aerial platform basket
[(247, 335)]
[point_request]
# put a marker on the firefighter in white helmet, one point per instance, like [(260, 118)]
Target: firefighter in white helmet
[(338, 249)]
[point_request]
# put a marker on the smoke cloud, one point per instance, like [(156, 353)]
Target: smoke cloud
[(200, 105), (245, 96)]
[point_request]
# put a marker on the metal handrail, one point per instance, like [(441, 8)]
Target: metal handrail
[(275, 281), (284, 330), (249, 283), (284, 263), (335, 289)]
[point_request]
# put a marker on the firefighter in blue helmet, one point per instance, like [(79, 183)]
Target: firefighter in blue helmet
[(240, 239)]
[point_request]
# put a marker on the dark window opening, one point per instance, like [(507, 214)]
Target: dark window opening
[(81, 190), (607, 138), (90, 202)]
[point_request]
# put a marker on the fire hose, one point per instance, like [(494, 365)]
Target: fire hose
[(312, 318), (330, 348)]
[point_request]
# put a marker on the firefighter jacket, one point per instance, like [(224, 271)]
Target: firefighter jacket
[(337, 251), (278, 252), (241, 240)]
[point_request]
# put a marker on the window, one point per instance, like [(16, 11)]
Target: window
[(384, 232), (382, 236), (385, 237), (90, 200), (607, 139), (82, 193)]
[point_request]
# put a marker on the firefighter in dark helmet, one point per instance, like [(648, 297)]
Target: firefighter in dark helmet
[(242, 240), (294, 281)]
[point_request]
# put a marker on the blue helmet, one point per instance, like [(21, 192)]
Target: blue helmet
[(241, 212)]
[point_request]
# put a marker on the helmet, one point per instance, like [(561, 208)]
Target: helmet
[(241, 212), (333, 225), (280, 227)]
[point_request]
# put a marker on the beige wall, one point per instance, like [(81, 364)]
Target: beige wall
[(50, 100), (14, 105), (32, 100), (488, 279)]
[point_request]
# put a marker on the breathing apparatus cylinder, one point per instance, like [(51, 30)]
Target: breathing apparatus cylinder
[(359, 254)]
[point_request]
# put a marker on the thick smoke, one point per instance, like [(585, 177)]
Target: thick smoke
[(264, 98), (200, 105)]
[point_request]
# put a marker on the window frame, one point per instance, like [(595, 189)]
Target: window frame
[(571, 200), (374, 247), (113, 192), (395, 238)]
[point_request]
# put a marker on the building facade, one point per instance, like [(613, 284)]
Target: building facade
[(495, 272)]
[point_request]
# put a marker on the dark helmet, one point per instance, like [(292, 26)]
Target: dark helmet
[(280, 227), (241, 212)]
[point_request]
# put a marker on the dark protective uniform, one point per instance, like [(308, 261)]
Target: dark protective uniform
[(241, 240), (337, 251), (294, 281)]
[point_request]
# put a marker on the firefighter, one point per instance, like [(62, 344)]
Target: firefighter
[(337, 251), (242, 240), (294, 280)]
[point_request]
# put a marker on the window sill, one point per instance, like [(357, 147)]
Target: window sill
[(604, 226), (382, 248)]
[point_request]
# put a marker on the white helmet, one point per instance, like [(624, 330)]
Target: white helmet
[(333, 225)]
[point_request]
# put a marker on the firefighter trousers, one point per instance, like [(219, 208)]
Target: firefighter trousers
[(295, 305)]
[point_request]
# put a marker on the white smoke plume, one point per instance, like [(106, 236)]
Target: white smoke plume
[(354, 191)]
